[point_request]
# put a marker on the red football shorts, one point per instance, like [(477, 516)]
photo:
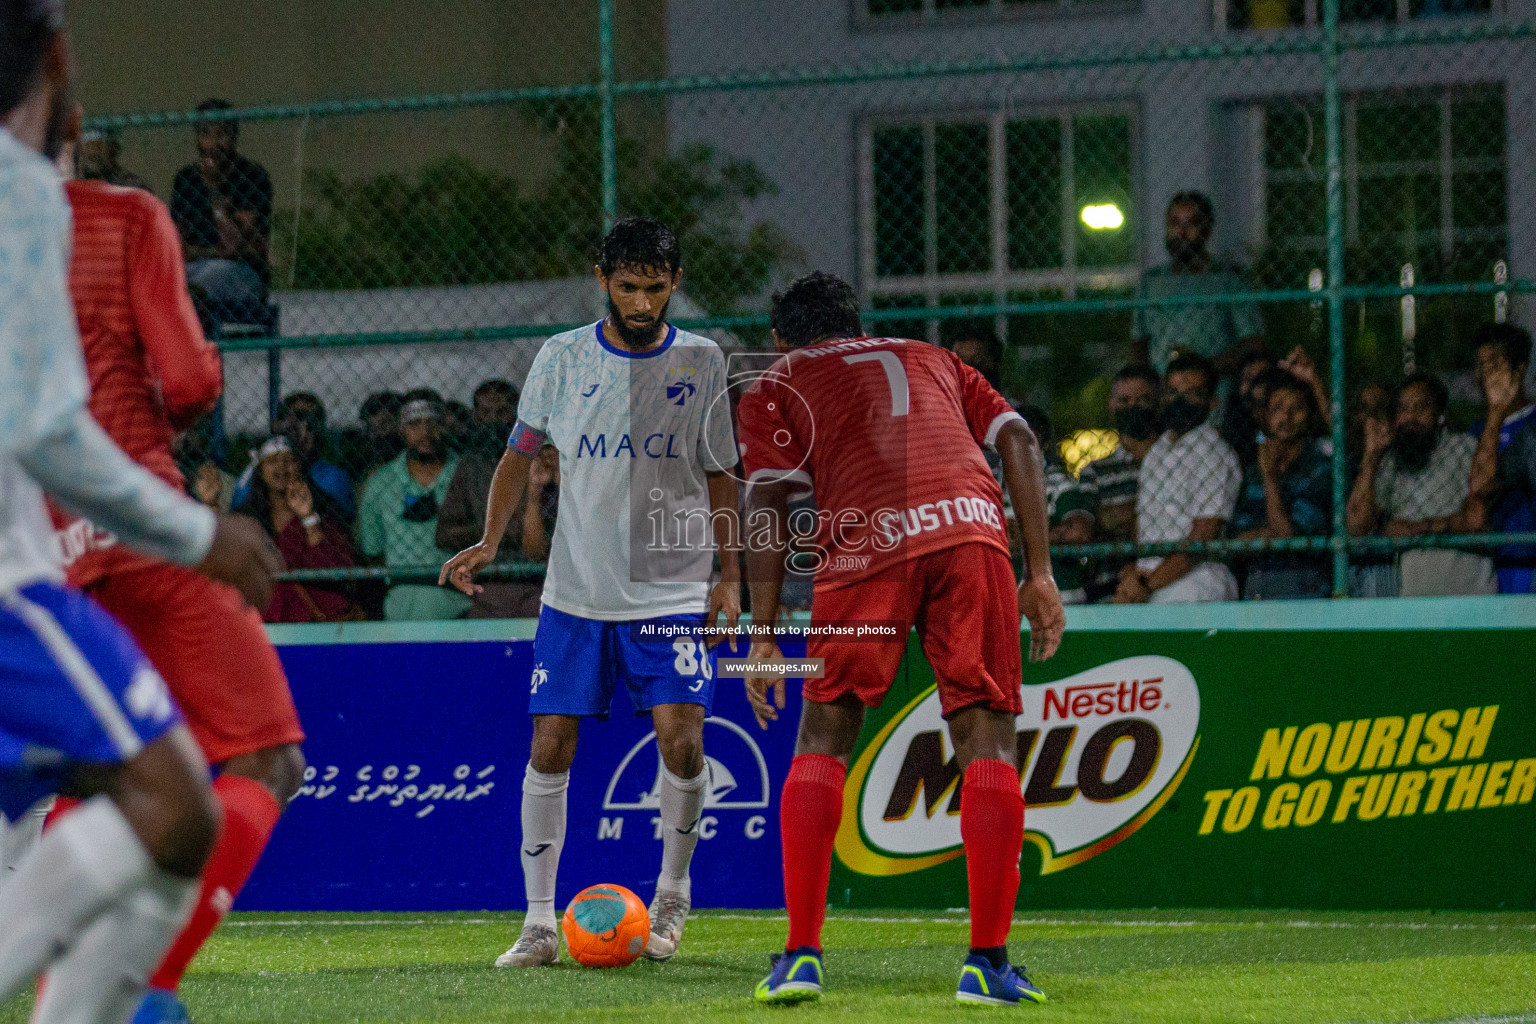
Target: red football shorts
[(964, 602), (214, 654)]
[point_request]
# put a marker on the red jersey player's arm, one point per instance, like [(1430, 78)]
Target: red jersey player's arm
[(1024, 472), (767, 514), (186, 364), (772, 458)]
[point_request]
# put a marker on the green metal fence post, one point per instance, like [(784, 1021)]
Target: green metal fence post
[(274, 381), (1333, 131), (610, 147)]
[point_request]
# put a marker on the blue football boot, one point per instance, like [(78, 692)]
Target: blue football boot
[(983, 984), (796, 978), (161, 1007)]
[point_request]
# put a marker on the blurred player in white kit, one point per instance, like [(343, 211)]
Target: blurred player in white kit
[(100, 897)]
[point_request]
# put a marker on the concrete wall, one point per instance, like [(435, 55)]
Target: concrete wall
[(171, 54)]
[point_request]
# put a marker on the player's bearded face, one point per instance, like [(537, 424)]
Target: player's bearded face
[(638, 330)]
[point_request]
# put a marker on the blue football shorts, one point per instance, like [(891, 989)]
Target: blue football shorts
[(74, 690), (578, 664)]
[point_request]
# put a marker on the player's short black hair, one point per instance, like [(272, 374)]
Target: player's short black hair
[(1515, 341), (639, 243), (213, 106), (1439, 394), (27, 30), (1138, 371), (816, 307), (494, 386), (1199, 200), (1187, 362)]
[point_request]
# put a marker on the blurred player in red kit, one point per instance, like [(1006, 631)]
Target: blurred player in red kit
[(153, 373), (888, 434)]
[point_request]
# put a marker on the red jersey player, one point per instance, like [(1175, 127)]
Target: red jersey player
[(151, 373), (888, 434)]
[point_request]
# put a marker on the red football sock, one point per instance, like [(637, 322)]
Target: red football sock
[(992, 829), (809, 811), (250, 815)]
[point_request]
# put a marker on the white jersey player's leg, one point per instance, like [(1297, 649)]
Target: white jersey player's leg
[(78, 871), (18, 837), (103, 977), (682, 805), (544, 809)]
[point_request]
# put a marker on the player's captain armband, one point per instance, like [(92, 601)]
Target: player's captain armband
[(526, 440)]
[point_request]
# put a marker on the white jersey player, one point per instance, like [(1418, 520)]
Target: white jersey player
[(102, 895), (639, 413)]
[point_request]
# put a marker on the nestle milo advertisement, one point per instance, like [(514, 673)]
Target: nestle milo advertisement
[(1308, 769)]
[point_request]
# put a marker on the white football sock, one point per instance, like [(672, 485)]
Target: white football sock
[(682, 802), (543, 838), (84, 865), (104, 977)]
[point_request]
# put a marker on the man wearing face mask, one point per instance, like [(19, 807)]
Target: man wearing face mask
[(1133, 399), (1189, 484), (1225, 333), (1414, 477)]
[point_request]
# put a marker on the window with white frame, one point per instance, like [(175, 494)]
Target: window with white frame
[(1425, 182), (989, 207)]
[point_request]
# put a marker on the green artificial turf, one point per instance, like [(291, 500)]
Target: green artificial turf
[(1144, 966)]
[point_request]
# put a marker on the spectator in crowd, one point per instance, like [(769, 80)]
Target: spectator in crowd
[(1225, 332), (1504, 435), (1517, 471), (458, 426), (1415, 480), (1372, 400), (97, 158), (301, 419), (494, 408), (398, 519), (1133, 407), (222, 204), (206, 482), (376, 438), (982, 350), (1298, 363), (1240, 426), (1372, 573), (1287, 492), (461, 522), (1069, 511), (307, 526), (1188, 487)]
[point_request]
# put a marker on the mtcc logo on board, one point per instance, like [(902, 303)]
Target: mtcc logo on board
[(1100, 752), (738, 782)]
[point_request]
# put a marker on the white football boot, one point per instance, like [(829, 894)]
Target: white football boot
[(669, 912), (537, 946)]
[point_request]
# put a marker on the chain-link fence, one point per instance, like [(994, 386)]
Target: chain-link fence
[(1324, 199)]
